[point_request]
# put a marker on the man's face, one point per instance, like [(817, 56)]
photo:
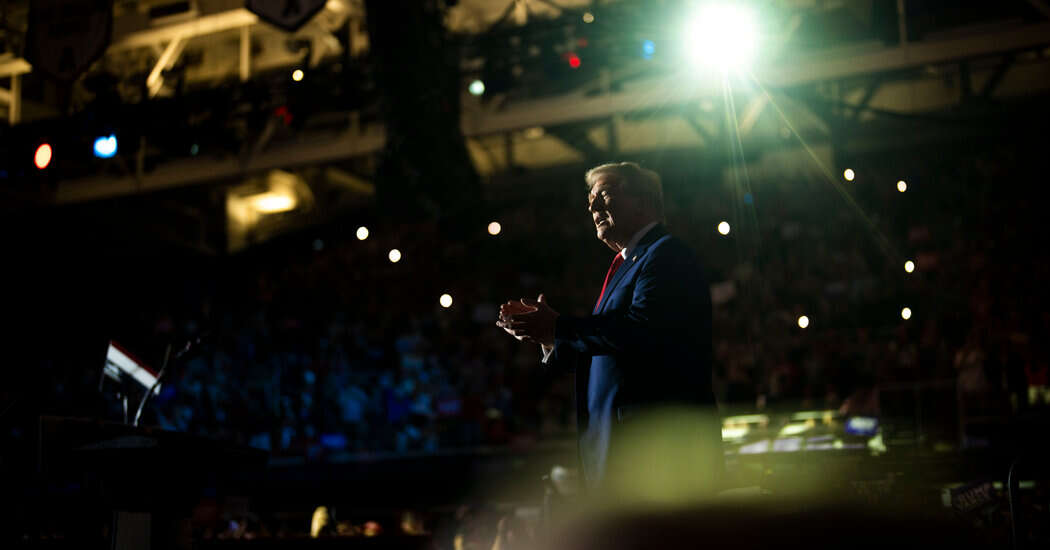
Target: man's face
[(610, 209)]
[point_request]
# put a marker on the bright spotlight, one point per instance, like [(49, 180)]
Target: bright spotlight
[(902, 186), (42, 157), (721, 36), (723, 228), (909, 266), (906, 313), (495, 228), (270, 203), (849, 174), (803, 321), (477, 87), (395, 256), (106, 147), (362, 233), (297, 75), (445, 300), (588, 17)]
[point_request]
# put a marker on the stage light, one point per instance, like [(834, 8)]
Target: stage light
[(105, 147), (588, 17), (495, 228), (362, 233), (445, 300), (803, 321), (723, 228), (574, 61), (909, 266), (271, 203), (42, 157), (722, 36), (395, 256), (477, 87), (849, 174), (906, 313), (648, 49), (902, 186), (297, 75), (533, 132)]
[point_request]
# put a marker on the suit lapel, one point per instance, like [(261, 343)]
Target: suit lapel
[(638, 253)]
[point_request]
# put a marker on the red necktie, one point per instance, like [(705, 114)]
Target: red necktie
[(617, 260)]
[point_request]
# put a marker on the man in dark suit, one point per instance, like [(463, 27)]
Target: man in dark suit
[(645, 406)]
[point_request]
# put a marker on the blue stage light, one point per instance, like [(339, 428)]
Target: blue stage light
[(648, 49), (106, 147)]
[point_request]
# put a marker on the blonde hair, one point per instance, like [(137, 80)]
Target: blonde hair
[(634, 180)]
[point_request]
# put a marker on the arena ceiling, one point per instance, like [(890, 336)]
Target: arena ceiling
[(839, 75)]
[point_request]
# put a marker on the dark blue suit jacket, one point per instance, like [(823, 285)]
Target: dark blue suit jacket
[(647, 345)]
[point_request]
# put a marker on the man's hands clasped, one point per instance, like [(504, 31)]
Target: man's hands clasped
[(529, 321)]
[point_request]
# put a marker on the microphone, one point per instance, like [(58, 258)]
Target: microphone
[(192, 345)]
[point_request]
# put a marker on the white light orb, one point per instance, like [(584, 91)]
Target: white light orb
[(909, 266), (495, 228), (297, 75), (902, 186), (362, 233), (588, 17), (721, 36), (395, 256), (803, 321), (906, 313), (723, 228), (445, 300), (477, 87), (849, 174)]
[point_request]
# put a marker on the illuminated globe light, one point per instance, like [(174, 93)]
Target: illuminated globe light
[(574, 61), (297, 75), (362, 233), (902, 186), (849, 174), (445, 300), (803, 321), (495, 228), (477, 87), (906, 313), (588, 17), (42, 157), (721, 36), (723, 228), (106, 147), (395, 255), (909, 266)]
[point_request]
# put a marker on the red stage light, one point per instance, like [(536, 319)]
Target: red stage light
[(574, 60)]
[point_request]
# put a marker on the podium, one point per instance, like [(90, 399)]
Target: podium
[(150, 478)]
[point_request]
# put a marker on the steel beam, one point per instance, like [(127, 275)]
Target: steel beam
[(194, 171), (10, 66), (657, 94), (208, 24)]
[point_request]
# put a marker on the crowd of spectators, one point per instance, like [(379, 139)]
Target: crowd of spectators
[(321, 346)]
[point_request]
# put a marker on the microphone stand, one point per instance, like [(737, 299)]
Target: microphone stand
[(160, 375), (156, 383)]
